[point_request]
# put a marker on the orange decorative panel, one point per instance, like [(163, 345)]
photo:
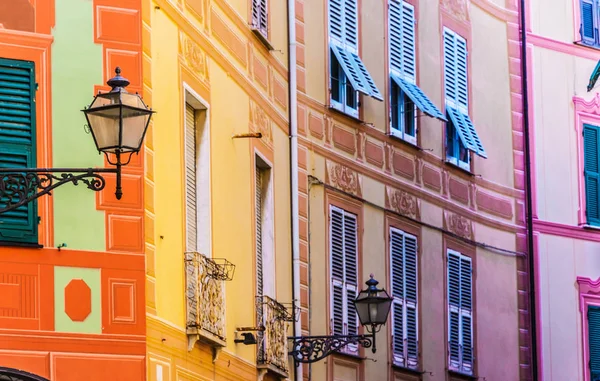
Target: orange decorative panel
[(118, 25), (132, 192), (125, 233), (229, 38), (77, 367), (11, 296), (124, 303), (130, 63), (17, 15), (32, 362), (19, 296), (78, 300)]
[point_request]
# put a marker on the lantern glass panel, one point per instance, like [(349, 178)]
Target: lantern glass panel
[(134, 125), (104, 124)]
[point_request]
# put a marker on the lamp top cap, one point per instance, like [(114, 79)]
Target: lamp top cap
[(372, 282), (118, 83)]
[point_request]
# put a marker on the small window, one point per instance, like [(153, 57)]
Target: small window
[(456, 152), (343, 95), (588, 29), (260, 17), (403, 115)]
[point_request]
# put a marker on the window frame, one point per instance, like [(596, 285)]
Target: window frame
[(589, 295), (343, 86), (578, 24)]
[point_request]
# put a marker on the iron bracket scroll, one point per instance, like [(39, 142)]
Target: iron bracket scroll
[(19, 186), (309, 349)]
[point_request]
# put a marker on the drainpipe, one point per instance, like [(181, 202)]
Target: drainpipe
[(528, 196), (293, 135)]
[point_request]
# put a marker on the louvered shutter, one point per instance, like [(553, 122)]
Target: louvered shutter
[(593, 315), (351, 270), (259, 234), (411, 292), (397, 277), (466, 324), (450, 84), (589, 22), (190, 179), (402, 39), (18, 142), (336, 250), (260, 16), (351, 23), (462, 91), (454, 309), (336, 20), (591, 147)]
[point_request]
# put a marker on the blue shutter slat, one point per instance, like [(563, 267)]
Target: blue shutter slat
[(395, 25), (347, 63), (408, 40), (336, 27), (368, 82), (461, 73), (593, 315), (350, 23), (17, 142), (450, 85), (591, 159), (588, 22), (419, 98), (465, 284), (466, 131), (410, 268)]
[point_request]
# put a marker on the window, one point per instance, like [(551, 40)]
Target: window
[(260, 17), (588, 29), (197, 178), (403, 268), (593, 318), (591, 170), (18, 143), (348, 74), (405, 95), (461, 136), (343, 240), (460, 309), (263, 192)]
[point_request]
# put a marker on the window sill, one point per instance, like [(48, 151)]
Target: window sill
[(21, 244), (461, 376), (402, 368), (466, 171), (263, 39), (398, 138), (580, 43), (345, 114), (590, 227), (350, 356)]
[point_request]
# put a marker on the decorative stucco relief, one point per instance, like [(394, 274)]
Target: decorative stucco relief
[(194, 57), (403, 202), (260, 122), (459, 9), (344, 179), (459, 225)]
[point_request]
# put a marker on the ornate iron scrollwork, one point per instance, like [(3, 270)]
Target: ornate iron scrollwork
[(21, 186), (309, 349), (9, 374)]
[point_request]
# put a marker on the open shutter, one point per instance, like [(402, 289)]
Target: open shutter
[(454, 309), (589, 24), (259, 16), (190, 179), (17, 142), (410, 287), (259, 231), (462, 90), (351, 270), (336, 249), (450, 85), (397, 271), (591, 159), (593, 315), (466, 307)]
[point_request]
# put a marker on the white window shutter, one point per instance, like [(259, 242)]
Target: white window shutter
[(454, 309), (461, 74), (351, 23), (466, 314), (260, 16), (395, 28), (411, 292), (397, 271), (336, 250), (408, 42), (258, 181), (190, 179), (350, 249), (450, 64), (336, 20), (337, 307)]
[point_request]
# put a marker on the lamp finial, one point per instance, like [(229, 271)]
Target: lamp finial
[(118, 83)]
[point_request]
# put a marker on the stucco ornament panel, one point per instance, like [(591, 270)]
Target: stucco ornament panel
[(459, 225), (260, 122), (194, 57), (205, 300), (344, 178), (403, 203), (459, 9)]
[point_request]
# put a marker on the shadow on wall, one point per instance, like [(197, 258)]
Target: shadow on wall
[(17, 15)]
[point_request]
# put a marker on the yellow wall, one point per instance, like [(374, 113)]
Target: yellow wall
[(209, 46)]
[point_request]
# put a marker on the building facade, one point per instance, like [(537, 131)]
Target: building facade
[(72, 265), (564, 106)]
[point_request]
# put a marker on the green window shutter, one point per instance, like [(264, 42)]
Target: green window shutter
[(17, 142), (591, 166), (593, 315)]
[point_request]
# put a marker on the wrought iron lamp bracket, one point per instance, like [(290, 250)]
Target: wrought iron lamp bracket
[(309, 349), (19, 186)]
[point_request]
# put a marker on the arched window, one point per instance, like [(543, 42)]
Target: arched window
[(8, 374)]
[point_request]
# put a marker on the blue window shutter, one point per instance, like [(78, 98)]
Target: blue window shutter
[(591, 166), (593, 315), (17, 142), (588, 22), (395, 28), (355, 71), (450, 84), (368, 82), (408, 41), (462, 92), (351, 23), (336, 17), (419, 98)]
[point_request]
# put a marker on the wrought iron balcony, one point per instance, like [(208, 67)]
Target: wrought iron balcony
[(205, 298), (272, 347)]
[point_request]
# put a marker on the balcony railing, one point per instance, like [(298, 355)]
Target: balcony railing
[(206, 298), (272, 348)]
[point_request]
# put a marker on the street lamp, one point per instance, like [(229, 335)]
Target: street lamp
[(372, 306), (118, 122)]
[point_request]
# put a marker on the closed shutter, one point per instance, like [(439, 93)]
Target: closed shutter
[(260, 16), (455, 70), (336, 20), (450, 85), (454, 309), (18, 143), (351, 23), (402, 39), (593, 315), (259, 233), (460, 312), (589, 23), (190, 179), (410, 286), (397, 277), (466, 324), (344, 274), (461, 73), (591, 159)]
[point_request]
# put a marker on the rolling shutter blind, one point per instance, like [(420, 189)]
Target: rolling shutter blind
[(259, 16), (589, 26), (403, 252), (593, 315), (259, 234), (18, 142), (591, 160), (190, 179), (344, 270), (460, 324)]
